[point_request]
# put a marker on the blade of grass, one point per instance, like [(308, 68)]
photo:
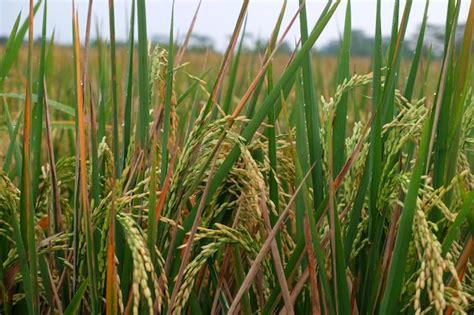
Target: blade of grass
[(253, 102), (393, 65), (75, 303), (143, 83), (386, 109), (441, 116), (191, 90), (52, 162), (27, 211), (427, 63), (410, 83), (304, 209), (341, 291), (282, 84), (103, 90), (312, 109), (340, 121), (14, 46), (356, 212), (8, 48), (84, 200), (375, 150), (167, 103), (302, 228), (450, 21), (95, 167), (395, 278), (127, 117), (69, 110), (461, 87), (113, 73), (226, 107), (468, 203), (13, 148), (37, 118), (56, 298), (46, 280), (394, 32), (152, 222), (272, 141), (276, 256), (24, 268)]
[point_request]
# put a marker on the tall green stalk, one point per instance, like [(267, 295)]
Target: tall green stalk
[(113, 73), (167, 104), (143, 82)]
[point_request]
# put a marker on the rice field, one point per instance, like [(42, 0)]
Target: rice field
[(151, 179)]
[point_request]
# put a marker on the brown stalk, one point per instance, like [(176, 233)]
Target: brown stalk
[(215, 301), (111, 283), (229, 51), (26, 193), (81, 130), (85, 70), (59, 305), (315, 305), (63, 274), (128, 307), (165, 187), (263, 68), (389, 245), (463, 259), (297, 289), (265, 247), (354, 155), (337, 182), (112, 287), (225, 266), (136, 165), (347, 166), (187, 250), (77, 212), (86, 45), (89, 231), (182, 49), (467, 252), (276, 255)]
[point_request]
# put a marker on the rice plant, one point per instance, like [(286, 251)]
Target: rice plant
[(141, 178)]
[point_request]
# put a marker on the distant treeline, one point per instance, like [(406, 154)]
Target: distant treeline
[(361, 45)]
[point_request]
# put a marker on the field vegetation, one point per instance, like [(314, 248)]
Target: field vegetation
[(142, 178)]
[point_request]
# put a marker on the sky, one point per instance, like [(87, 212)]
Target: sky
[(217, 18)]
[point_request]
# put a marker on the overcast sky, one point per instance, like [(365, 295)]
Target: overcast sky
[(217, 17)]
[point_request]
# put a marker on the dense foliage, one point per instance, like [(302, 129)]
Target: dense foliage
[(144, 179)]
